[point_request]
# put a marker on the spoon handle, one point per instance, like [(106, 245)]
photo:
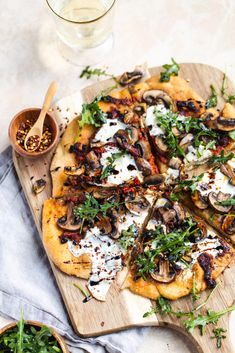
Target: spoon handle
[(49, 96)]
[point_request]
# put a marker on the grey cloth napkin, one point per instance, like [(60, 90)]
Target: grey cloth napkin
[(26, 279)]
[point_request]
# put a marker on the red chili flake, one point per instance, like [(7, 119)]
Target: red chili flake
[(136, 181)]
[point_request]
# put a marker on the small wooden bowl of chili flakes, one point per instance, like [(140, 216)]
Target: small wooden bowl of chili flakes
[(21, 124)]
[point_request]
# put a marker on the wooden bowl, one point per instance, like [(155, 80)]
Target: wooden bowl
[(58, 338), (32, 114)]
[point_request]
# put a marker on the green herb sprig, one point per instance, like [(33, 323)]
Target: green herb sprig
[(111, 164), (219, 336), (88, 73), (195, 294), (170, 70), (221, 159), (230, 98), (92, 114), (229, 202), (212, 101), (128, 237), (26, 338)]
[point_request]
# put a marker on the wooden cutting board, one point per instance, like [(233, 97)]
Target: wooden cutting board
[(124, 309)]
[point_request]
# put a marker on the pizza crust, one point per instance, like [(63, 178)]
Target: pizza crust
[(59, 253)]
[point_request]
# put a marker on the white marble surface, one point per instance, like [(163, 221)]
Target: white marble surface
[(152, 31)]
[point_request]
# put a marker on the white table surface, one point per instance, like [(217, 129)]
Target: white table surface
[(152, 31)]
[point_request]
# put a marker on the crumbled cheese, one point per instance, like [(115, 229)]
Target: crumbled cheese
[(197, 156), (215, 182), (106, 132), (121, 166)]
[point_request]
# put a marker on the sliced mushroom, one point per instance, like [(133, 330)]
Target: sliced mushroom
[(165, 274), (38, 186), (68, 222), (103, 193), (169, 216), (225, 124), (155, 179), (175, 163), (229, 171), (210, 118), (130, 77), (144, 166), (198, 200), (93, 161), (114, 219), (215, 199), (140, 109), (133, 134), (160, 145), (186, 141), (180, 212), (123, 139), (176, 132), (190, 107), (74, 170), (131, 117), (228, 225), (136, 205), (104, 224), (145, 149), (154, 97)]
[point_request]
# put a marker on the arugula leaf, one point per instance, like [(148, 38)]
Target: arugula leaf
[(175, 245), (88, 72), (92, 114), (220, 160), (91, 207), (229, 202), (162, 307), (26, 338), (218, 335), (82, 290), (111, 166), (188, 184), (200, 321), (170, 70), (128, 237), (212, 101), (230, 98), (231, 134)]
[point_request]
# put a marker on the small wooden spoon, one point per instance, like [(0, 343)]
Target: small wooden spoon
[(34, 135)]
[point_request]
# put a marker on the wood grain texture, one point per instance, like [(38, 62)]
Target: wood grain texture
[(124, 309)]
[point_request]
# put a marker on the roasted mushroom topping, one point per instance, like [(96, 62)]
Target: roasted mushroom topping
[(160, 145), (130, 77), (227, 170), (124, 141), (225, 124), (176, 132), (198, 200), (155, 179), (165, 274), (104, 224), (114, 219), (38, 186), (190, 107), (228, 225), (103, 193), (210, 118), (144, 166), (131, 118), (144, 148), (155, 97), (68, 221), (215, 200), (186, 141), (140, 109), (93, 161), (169, 216), (136, 204), (175, 163), (74, 170), (133, 134), (180, 213)]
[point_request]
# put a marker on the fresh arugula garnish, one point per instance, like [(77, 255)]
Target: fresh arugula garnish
[(230, 98), (111, 164), (219, 336), (170, 70), (206, 133), (212, 101), (175, 244), (88, 72), (92, 114), (188, 184), (195, 294), (221, 159), (128, 237), (82, 290), (229, 202), (174, 197), (27, 338), (200, 321), (91, 207)]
